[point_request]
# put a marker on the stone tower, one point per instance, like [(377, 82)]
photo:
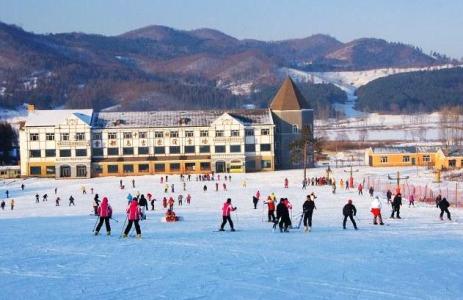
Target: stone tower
[(291, 113)]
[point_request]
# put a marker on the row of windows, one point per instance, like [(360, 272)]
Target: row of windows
[(52, 153), (144, 168), (79, 136), (405, 159), (175, 134), (177, 149)]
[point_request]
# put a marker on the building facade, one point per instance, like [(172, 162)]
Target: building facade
[(84, 143)]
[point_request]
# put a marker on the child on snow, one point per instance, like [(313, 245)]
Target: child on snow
[(376, 211), (133, 216), (105, 213)]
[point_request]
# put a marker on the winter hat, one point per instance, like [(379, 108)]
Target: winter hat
[(135, 199), (228, 200), (350, 201), (105, 199)]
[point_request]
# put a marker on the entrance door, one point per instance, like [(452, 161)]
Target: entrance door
[(220, 167), (413, 161), (81, 171), (65, 171)]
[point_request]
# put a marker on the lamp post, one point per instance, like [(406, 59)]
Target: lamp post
[(351, 172), (398, 178)]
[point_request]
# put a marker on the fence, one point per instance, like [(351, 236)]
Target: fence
[(423, 193)]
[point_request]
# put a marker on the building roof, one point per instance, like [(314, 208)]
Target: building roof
[(178, 118), (404, 149), (57, 116), (453, 152), (289, 97)]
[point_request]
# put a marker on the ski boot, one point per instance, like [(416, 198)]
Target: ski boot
[(221, 229), (381, 223), (108, 233), (232, 229), (310, 229), (441, 218), (96, 233), (138, 236), (125, 236), (306, 228)]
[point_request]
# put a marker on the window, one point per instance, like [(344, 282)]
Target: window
[(113, 151), (34, 136), (50, 153), (174, 167), (235, 133), (113, 168), (143, 134), (81, 152), (143, 168), (220, 149), (127, 151), (265, 147), (96, 136), (65, 136), (295, 128), (158, 134), (265, 131), (250, 148), (204, 133), (159, 150), (35, 171), (426, 158), (174, 149), (204, 149), (127, 168), (219, 133), (189, 149), (159, 167), (65, 153), (49, 136), (34, 153), (249, 132), (112, 135), (452, 163), (189, 133), (80, 136), (143, 150), (173, 134), (383, 159), (190, 166), (50, 170), (81, 171), (250, 165), (406, 158), (97, 151), (127, 135), (235, 148), (266, 164), (98, 169), (205, 166)]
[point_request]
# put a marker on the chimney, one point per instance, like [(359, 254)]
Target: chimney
[(30, 108)]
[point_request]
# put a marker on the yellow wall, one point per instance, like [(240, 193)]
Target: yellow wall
[(43, 169), (396, 160), (443, 162)]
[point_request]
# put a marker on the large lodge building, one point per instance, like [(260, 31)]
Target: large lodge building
[(84, 143)]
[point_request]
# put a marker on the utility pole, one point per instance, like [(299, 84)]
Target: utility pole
[(398, 179), (351, 172)]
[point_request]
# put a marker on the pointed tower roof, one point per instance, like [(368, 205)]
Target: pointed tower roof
[(288, 97)]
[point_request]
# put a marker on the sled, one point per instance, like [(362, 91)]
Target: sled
[(177, 219)]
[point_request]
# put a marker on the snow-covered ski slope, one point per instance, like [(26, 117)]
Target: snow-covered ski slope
[(49, 252)]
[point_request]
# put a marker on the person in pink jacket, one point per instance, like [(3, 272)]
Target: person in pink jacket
[(226, 215), (133, 216), (105, 213)]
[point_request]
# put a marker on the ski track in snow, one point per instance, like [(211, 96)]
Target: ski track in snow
[(49, 252)]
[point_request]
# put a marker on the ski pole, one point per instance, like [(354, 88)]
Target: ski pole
[(94, 227), (123, 227), (115, 220)]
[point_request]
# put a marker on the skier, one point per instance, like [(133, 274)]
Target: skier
[(304, 183), (44, 198), (376, 211), (56, 190), (152, 200), (347, 184), (290, 208), (341, 183), (411, 200), (255, 200), (133, 215), (444, 207), (84, 191), (283, 216), (162, 179), (226, 215), (360, 189), (120, 184), (271, 208), (105, 213), (334, 187), (22, 187), (37, 197), (7, 194), (307, 210), (184, 186), (12, 204), (71, 201), (133, 183), (350, 211), (224, 186), (143, 206), (188, 199), (438, 199), (286, 183), (167, 178), (371, 190), (172, 188), (205, 188), (216, 186), (57, 201), (396, 204), (164, 202), (166, 188), (180, 200), (171, 203), (389, 196), (96, 203), (2, 205), (91, 190)]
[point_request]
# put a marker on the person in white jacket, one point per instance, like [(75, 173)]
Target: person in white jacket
[(376, 211)]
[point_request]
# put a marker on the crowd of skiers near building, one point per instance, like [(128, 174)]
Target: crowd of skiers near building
[(278, 212)]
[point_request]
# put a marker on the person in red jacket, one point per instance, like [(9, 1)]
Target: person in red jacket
[(286, 183), (133, 215), (226, 215), (105, 213)]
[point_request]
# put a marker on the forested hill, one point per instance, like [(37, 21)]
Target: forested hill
[(413, 92)]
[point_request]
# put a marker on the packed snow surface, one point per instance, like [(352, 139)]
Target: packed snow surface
[(49, 252)]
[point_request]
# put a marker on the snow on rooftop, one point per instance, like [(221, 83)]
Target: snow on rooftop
[(57, 116)]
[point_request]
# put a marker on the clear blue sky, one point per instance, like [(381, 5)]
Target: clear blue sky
[(430, 24)]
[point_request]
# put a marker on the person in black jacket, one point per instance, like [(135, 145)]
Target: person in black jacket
[(143, 204), (307, 210), (350, 211), (389, 196), (283, 215), (444, 207), (396, 204), (255, 200)]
